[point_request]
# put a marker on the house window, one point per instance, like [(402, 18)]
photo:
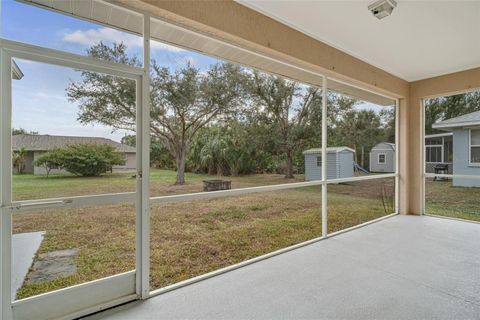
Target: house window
[(475, 146), (381, 158), (434, 141), (433, 154), (319, 161)]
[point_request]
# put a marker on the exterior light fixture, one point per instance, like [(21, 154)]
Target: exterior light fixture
[(382, 8)]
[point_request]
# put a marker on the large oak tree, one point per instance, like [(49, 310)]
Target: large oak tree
[(291, 109), (183, 100)]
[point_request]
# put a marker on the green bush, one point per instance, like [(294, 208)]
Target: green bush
[(86, 160), (50, 160)]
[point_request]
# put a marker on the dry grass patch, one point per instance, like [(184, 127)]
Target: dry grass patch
[(192, 238)]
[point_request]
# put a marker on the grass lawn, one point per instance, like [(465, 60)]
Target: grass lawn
[(187, 238), (29, 186), (443, 199)]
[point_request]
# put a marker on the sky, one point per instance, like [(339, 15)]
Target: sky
[(39, 102)]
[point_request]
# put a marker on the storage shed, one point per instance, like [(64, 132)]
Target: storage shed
[(382, 158), (339, 163)]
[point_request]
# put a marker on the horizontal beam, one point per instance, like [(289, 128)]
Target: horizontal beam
[(69, 60), (71, 202), (362, 178), (245, 191), (129, 197), (451, 176), (231, 192)]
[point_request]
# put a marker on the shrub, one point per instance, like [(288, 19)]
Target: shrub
[(50, 160), (88, 159)]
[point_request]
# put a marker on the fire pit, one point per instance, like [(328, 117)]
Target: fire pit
[(215, 185)]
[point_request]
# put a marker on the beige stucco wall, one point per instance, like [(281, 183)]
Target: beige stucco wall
[(438, 86)]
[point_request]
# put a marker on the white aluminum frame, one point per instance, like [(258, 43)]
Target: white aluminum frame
[(26, 308), (143, 187), (324, 158), (5, 187), (141, 195)]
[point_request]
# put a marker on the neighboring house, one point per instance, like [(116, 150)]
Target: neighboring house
[(339, 163), (465, 131), (36, 145), (382, 158), (439, 151)]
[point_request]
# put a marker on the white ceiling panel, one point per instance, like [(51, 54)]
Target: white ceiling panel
[(421, 39)]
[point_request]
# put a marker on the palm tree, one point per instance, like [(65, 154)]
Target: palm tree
[(19, 160)]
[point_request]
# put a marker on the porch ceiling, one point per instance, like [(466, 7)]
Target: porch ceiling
[(421, 39), (404, 267), (117, 17)]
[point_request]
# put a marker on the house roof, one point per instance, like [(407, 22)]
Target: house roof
[(33, 142), (466, 120), (329, 150)]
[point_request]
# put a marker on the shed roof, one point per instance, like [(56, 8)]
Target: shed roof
[(329, 150), (388, 144), (466, 120), (33, 142)]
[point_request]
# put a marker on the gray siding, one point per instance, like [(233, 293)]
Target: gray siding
[(29, 162), (345, 167), (461, 161), (339, 165), (390, 159), (388, 166), (332, 166)]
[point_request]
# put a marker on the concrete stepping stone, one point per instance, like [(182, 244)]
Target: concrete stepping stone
[(53, 265)]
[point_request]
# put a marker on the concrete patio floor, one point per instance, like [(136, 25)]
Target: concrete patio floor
[(404, 267)]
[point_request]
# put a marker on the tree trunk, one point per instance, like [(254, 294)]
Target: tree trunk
[(212, 170), (289, 166), (362, 159), (180, 160)]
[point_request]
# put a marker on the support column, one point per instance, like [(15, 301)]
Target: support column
[(414, 159)]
